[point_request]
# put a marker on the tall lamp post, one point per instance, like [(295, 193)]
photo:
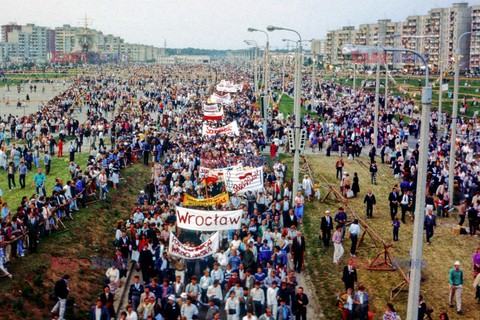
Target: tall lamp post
[(417, 244), (453, 138), (266, 97), (296, 106), (255, 68)]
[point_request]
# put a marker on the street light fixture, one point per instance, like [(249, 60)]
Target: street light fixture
[(255, 68), (266, 72), (451, 163), (296, 99), (417, 243)]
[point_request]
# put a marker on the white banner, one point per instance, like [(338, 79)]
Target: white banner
[(240, 181), (216, 115), (201, 220), (211, 108), (178, 249), (207, 172), (444, 87), (223, 99), (230, 129), (228, 86)]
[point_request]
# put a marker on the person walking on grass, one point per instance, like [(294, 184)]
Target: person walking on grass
[(455, 279), (369, 202), (337, 243)]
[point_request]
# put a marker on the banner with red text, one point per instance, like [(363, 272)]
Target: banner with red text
[(228, 86), (178, 249), (239, 181), (229, 129), (201, 220), (211, 108), (223, 99)]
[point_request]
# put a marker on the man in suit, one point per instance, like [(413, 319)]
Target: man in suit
[(326, 225), (298, 249), (430, 224), (393, 198), (99, 312), (32, 230), (179, 286), (124, 244), (61, 292), (405, 203), (136, 290), (146, 264), (300, 303), (349, 276), (369, 201), (290, 219), (107, 301), (284, 312), (361, 309)]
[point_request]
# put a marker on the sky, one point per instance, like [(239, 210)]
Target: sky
[(212, 24)]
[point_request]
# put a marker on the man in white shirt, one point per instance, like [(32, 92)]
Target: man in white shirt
[(354, 232), (214, 293), (272, 302)]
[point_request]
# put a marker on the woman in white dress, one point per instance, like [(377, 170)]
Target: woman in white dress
[(307, 186)]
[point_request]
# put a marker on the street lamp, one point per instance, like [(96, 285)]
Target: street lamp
[(451, 164), (255, 76), (417, 243), (265, 100), (296, 97)]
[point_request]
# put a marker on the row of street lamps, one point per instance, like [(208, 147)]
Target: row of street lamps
[(426, 100)]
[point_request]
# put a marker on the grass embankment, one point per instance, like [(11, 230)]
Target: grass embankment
[(14, 79), (285, 106), (90, 234), (445, 249)]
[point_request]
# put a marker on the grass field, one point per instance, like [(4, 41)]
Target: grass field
[(90, 234), (58, 169), (445, 248), (285, 106), (14, 79)]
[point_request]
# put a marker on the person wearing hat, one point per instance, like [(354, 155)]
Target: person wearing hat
[(326, 226), (171, 310), (456, 282)]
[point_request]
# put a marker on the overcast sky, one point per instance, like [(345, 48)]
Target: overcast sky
[(211, 24)]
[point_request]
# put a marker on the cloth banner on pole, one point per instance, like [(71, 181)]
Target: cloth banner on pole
[(218, 115), (189, 201), (223, 99), (229, 129), (202, 220), (218, 173), (230, 87), (209, 247), (211, 108), (240, 181)]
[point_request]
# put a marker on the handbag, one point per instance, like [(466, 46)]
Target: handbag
[(232, 311)]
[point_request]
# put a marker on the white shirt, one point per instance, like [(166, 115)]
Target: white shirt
[(132, 316), (98, 313), (272, 295), (215, 292), (354, 229)]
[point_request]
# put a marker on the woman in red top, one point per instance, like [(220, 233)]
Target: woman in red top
[(60, 148)]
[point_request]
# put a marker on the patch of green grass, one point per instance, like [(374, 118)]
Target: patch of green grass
[(445, 248), (58, 169)]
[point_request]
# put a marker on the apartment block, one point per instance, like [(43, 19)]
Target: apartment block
[(434, 34)]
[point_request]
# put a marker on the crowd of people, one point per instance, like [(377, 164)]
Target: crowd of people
[(155, 115)]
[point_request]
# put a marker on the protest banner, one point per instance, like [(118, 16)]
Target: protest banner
[(189, 201), (216, 115), (223, 99), (209, 247), (240, 181), (229, 129), (201, 220), (210, 108)]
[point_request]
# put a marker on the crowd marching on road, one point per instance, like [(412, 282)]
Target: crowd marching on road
[(214, 234)]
